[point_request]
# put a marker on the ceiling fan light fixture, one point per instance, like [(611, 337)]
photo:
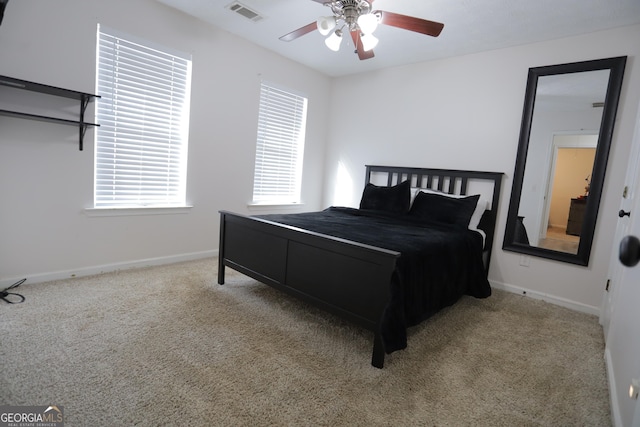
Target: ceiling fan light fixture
[(369, 41), (334, 40), (360, 20), (326, 24), (368, 23)]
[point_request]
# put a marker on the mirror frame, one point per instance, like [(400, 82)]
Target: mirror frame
[(616, 66)]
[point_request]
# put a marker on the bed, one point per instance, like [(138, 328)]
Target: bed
[(420, 239)]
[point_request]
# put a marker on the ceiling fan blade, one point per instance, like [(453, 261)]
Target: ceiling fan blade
[(357, 42), (299, 32), (410, 23)]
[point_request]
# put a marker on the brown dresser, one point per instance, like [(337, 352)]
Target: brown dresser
[(576, 216)]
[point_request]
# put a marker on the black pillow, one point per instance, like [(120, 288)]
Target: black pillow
[(449, 210), (395, 199)]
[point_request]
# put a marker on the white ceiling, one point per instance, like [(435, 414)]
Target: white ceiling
[(470, 26)]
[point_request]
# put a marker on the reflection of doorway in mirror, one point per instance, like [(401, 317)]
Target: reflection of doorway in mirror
[(573, 157)]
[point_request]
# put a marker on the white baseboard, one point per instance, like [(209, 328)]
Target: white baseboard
[(107, 268), (613, 395), (548, 298)]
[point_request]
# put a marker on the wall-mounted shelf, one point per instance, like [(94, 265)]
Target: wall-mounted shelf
[(82, 97)]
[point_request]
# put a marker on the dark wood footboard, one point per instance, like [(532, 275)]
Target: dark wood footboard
[(346, 278)]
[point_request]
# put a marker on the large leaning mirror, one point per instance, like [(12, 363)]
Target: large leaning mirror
[(567, 126)]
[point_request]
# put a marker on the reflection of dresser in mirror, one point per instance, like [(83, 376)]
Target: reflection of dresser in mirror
[(576, 215)]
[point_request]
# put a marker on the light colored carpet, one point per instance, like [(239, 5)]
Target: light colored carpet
[(168, 346)]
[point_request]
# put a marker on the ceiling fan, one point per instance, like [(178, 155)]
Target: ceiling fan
[(357, 17)]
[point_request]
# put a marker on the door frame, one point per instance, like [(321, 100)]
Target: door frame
[(555, 145)]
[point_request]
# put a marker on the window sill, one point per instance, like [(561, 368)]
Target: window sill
[(254, 207), (169, 210)]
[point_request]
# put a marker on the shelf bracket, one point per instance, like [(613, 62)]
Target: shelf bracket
[(84, 102)]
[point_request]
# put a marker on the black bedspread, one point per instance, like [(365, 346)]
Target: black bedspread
[(439, 262)]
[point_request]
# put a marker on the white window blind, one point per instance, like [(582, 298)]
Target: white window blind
[(141, 144), (280, 146)]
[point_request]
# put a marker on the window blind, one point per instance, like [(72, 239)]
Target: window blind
[(280, 146), (141, 144)]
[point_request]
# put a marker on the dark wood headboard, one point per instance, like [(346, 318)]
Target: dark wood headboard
[(451, 181)]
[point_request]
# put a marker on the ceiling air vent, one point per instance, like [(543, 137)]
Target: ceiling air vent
[(243, 10)]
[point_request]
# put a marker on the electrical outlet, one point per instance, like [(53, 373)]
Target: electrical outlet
[(524, 260)]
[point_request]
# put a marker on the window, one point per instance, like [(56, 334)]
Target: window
[(280, 146), (141, 144)]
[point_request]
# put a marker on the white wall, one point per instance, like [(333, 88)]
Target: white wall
[(46, 182), (465, 113)]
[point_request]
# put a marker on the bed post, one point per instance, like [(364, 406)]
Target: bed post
[(221, 250), (377, 359)]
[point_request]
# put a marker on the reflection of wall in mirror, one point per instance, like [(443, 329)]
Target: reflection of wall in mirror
[(573, 167)]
